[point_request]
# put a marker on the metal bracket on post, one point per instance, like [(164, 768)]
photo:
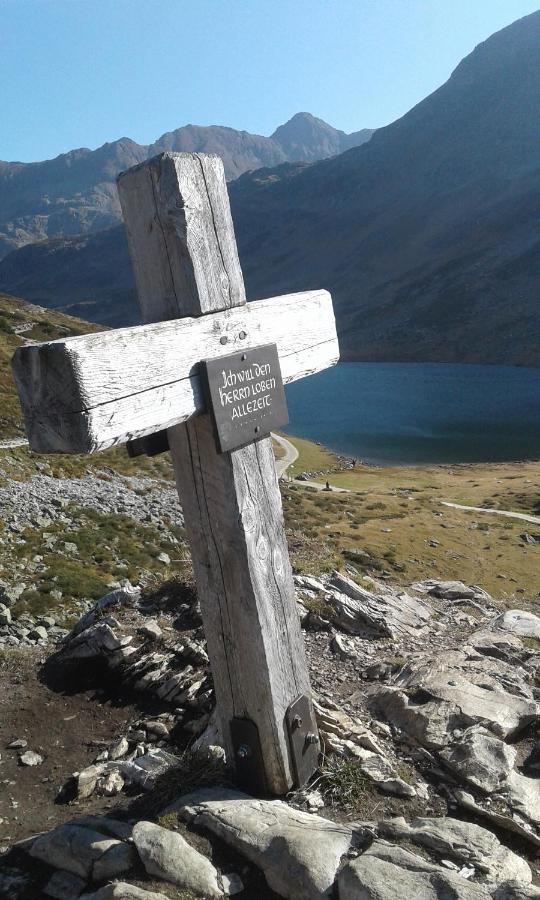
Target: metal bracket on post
[(152, 444), (303, 739), (248, 757)]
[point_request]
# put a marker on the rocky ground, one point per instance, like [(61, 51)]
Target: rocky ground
[(115, 783), (113, 779)]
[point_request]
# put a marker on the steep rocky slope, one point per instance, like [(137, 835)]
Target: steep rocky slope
[(427, 236)]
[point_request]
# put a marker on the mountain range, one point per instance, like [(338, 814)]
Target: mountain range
[(76, 192), (427, 235)]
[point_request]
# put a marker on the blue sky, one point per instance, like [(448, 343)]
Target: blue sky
[(77, 73)]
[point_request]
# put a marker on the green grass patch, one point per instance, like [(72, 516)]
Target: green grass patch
[(342, 783)]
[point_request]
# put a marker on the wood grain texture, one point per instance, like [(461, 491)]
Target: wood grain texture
[(231, 501), (90, 392), (177, 216)]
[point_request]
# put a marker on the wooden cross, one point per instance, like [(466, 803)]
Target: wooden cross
[(91, 392)]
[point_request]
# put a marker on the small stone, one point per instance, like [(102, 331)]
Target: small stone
[(18, 744), (343, 647), (39, 633), (159, 729), (119, 749), (29, 758), (110, 784), (150, 630), (232, 884), (164, 558), (70, 547)]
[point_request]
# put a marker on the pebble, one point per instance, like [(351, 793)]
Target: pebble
[(29, 758)]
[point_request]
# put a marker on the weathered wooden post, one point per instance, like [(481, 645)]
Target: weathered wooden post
[(91, 392)]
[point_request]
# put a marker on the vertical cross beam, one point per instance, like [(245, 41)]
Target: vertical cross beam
[(184, 255)]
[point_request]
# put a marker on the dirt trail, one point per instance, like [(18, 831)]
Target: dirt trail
[(535, 520)]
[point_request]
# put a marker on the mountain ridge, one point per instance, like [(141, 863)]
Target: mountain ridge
[(427, 235), (76, 191)]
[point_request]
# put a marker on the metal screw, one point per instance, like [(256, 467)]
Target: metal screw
[(242, 335), (311, 738), (297, 722), (244, 751), (224, 339)]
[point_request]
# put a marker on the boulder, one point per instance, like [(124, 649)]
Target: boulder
[(64, 886), (125, 596), (97, 640), (523, 795), (298, 852), (386, 872), (84, 852), (463, 842), (510, 890), (168, 856), (388, 613), (509, 822), (518, 622), (450, 590), (480, 759), (435, 694), (120, 890)]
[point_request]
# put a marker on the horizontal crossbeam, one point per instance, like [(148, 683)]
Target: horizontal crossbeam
[(91, 392)]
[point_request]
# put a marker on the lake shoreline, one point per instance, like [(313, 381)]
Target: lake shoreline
[(390, 414)]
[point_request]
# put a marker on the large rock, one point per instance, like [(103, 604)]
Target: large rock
[(109, 777), (463, 842), (386, 872), (84, 852), (436, 694), (523, 795), (120, 890), (508, 822), (387, 613), (451, 590), (97, 640), (64, 886), (167, 855), (518, 622), (299, 853), (513, 891), (125, 596), (480, 758)]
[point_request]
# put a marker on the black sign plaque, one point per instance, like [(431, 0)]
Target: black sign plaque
[(245, 395)]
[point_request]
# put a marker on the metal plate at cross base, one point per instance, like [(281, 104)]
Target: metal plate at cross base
[(248, 757), (303, 739)]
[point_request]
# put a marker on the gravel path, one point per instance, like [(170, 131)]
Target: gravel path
[(291, 454), (495, 512)]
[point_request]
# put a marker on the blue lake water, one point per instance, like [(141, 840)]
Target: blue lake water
[(390, 413)]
